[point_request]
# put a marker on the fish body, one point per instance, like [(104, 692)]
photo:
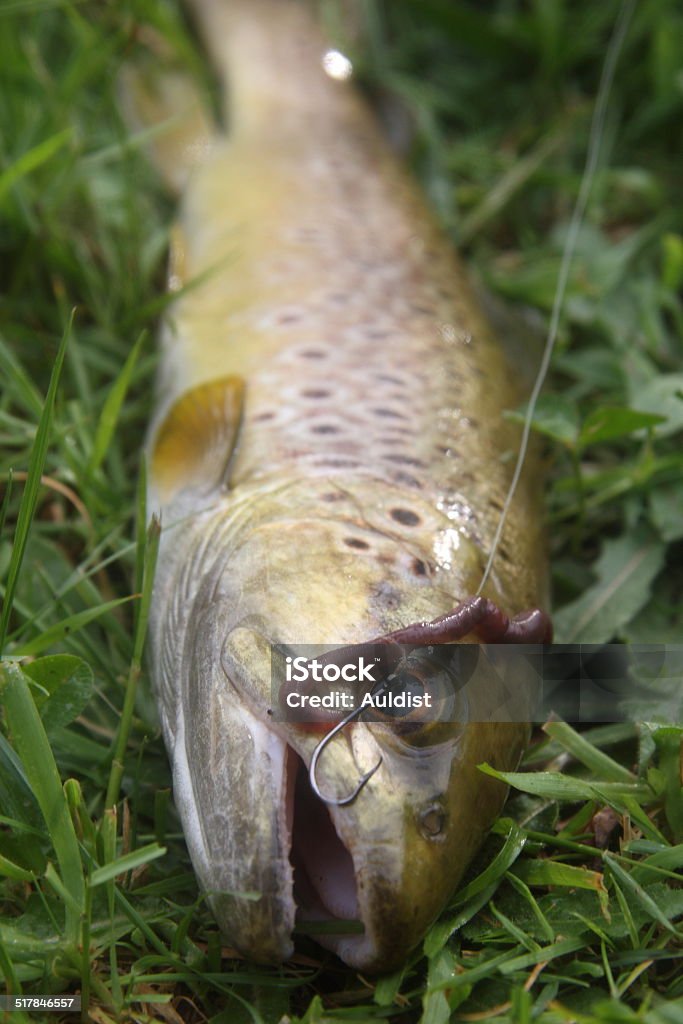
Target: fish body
[(330, 462)]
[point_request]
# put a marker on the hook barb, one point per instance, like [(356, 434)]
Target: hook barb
[(312, 771)]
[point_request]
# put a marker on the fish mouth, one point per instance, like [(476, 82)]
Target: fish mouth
[(325, 887), (275, 857)]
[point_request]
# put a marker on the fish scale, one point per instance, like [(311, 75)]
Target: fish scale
[(378, 317), (329, 458)]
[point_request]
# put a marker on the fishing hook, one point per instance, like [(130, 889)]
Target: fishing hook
[(327, 738), (474, 615)]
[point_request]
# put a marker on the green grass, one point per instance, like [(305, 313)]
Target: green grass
[(96, 890)]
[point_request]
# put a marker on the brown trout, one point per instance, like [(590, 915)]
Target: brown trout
[(330, 462)]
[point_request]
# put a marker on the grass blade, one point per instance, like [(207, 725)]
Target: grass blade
[(548, 872), (30, 495), (32, 746), (565, 787), (54, 634), (128, 862), (504, 859), (32, 159), (112, 407), (25, 391), (116, 774), (638, 895), (600, 764)]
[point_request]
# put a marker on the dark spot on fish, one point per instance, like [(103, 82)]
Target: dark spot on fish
[(386, 596), (419, 568), (405, 460), (386, 378), (406, 479), (324, 428), (405, 517), (315, 393), (312, 353), (261, 417), (473, 423), (332, 496), (443, 450), (391, 440), (377, 332), (389, 413), (422, 310), (494, 503), (355, 542), (328, 463), (287, 318)]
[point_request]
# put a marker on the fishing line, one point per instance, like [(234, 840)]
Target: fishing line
[(592, 156)]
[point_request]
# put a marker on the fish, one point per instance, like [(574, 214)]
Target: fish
[(329, 458)]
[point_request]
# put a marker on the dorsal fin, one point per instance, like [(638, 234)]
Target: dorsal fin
[(195, 442)]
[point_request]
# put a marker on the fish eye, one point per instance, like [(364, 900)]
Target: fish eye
[(422, 696), (408, 688)]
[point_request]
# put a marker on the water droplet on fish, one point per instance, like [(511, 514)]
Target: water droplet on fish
[(337, 65)]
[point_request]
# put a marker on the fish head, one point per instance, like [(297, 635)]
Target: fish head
[(273, 842)]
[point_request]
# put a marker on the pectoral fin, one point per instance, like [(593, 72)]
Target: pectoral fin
[(195, 442)]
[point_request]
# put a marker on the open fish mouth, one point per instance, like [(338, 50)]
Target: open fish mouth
[(325, 887), (332, 892), (272, 856)]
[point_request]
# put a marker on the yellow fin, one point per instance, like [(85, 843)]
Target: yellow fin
[(194, 444)]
